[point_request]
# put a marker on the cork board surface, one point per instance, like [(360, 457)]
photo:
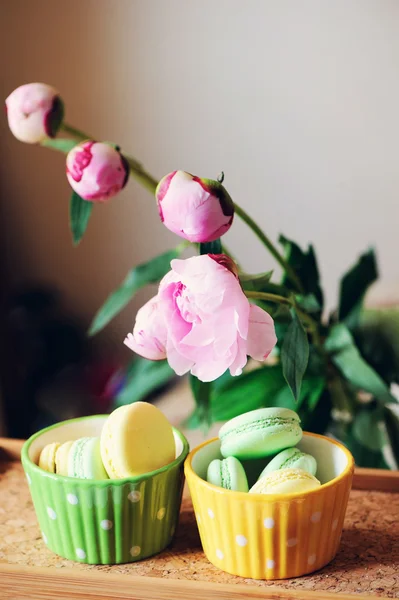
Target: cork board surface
[(367, 562)]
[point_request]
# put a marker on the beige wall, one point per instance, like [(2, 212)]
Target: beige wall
[(297, 101)]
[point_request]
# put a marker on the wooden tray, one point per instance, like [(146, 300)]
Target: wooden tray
[(367, 563)]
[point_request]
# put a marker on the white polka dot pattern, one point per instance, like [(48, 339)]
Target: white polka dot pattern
[(51, 513), (44, 536), (219, 554), (161, 513), (241, 540), (211, 513), (270, 564), (72, 499), (135, 550), (134, 496), (268, 523), (106, 525), (312, 559), (292, 542), (334, 524), (80, 553), (315, 518)]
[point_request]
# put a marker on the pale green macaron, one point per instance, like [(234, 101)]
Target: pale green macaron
[(260, 433), (228, 474), (291, 458), (84, 459)]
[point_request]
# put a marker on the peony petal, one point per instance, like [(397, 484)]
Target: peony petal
[(209, 370), (261, 334), (152, 352), (201, 334), (149, 333), (240, 360), (179, 363)]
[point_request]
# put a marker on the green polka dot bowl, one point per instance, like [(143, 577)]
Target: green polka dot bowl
[(103, 522)]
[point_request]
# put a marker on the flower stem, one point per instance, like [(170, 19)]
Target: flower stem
[(76, 133), (139, 173), (270, 246), (307, 319)]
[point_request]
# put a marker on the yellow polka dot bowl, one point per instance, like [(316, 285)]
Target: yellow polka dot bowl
[(111, 521), (272, 536)]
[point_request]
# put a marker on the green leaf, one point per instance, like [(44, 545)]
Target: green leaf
[(308, 303), (366, 430), (295, 354), (311, 390), (232, 396), (305, 266), (202, 392), (354, 285), (265, 286), (347, 358), (255, 283), (145, 273), (339, 338), (143, 377), (214, 247), (79, 215), (377, 336), (247, 392), (61, 144)]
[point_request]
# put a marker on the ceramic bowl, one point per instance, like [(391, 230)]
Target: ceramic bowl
[(272, 536), (103, 522)]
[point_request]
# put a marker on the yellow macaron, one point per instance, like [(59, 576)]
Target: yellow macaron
[(62, 457), (47, 457), (136, 439), (285, 481)]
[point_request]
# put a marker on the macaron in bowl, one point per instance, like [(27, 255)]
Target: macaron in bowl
[(273, 535), (101, 520)]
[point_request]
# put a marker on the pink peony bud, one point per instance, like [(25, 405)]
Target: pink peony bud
[(199, 210), (35, 112), (149, 334), (96, 171)]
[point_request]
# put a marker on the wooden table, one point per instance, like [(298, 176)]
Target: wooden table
[(367, 563)]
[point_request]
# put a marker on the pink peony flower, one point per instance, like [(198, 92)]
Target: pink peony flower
[(149, 334), (35, 112), (199, 210), (203, 321), (96, 171)]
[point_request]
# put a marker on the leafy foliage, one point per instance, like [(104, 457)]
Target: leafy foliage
[(79, 215), (305, 266), (354, 285), (145, 273), (295, 354), (347, 358), (142, 378)]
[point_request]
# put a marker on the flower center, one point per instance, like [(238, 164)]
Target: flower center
[(186, 304)]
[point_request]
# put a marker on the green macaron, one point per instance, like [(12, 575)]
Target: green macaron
[(84, 459), (228, 474), (291, 458), (260, 433)]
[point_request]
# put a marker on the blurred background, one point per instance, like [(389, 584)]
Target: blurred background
[(297, 102)]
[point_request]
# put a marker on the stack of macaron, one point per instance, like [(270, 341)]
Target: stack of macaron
[(270, 434), (135, 439)]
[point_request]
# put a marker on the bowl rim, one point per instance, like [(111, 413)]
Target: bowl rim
[(253, 497), (27, 463)]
